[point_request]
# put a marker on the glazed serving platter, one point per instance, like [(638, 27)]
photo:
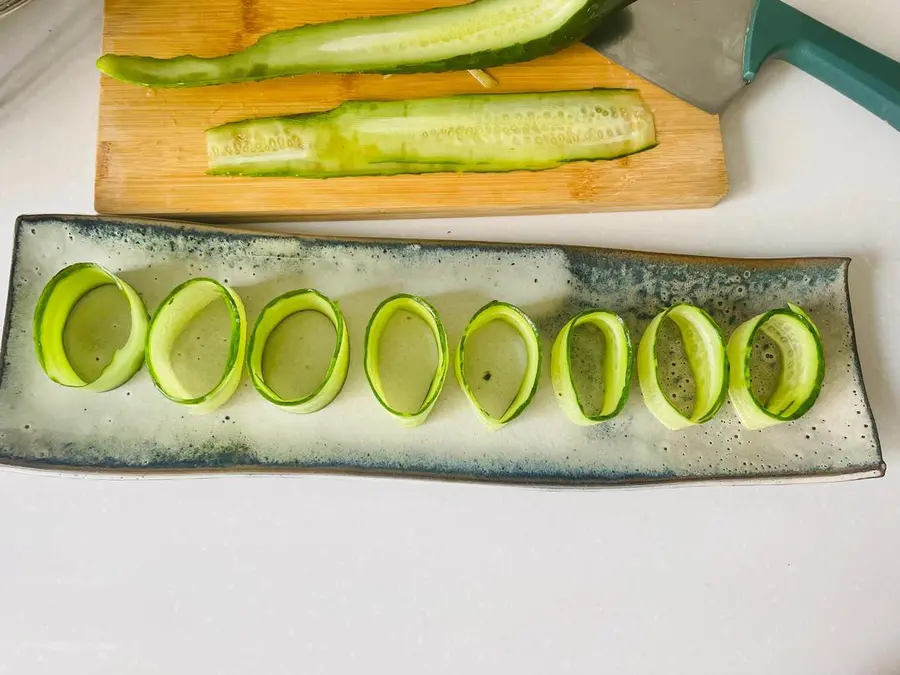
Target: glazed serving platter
[(134, 430)]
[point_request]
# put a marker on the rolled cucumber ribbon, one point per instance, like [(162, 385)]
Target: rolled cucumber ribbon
[(519, 321), (171, 318), (277, 311), (802, 367), (377, 323), (705, 350), (617, 367), (56, 303)]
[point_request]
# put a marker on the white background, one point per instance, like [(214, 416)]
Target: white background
[(271, 575)]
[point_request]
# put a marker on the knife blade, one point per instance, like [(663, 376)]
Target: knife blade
[(706, 51)]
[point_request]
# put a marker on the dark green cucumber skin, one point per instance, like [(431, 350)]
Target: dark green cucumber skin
[(584, 22)]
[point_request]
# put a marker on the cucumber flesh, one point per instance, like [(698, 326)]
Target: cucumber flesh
[(480, 34), (471, 133), (171, 318), (704, 347), (51, 315), (617, 367), (803, 367), (383, 314), (272, 316), (524, 326)]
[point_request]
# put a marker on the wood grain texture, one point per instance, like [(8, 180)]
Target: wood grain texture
[(151, 153)]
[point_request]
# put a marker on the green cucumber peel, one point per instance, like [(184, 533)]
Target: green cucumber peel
[(372, 349), (617, 367), (56, 303), (475, 35), (705, 350), (528, 332), (802, 372), (171, 318), (277, 311)]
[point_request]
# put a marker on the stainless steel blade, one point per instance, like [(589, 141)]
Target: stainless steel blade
[(692, 48)]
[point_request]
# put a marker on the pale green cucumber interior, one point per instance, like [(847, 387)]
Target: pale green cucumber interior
[(496, 362), (799, 363), (422, 37), (465, 35), (485, 132), (765, 366), (705, 353)]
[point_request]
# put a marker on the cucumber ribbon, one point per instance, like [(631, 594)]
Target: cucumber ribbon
[(277, 311), (617, 367), (374, 330), (705, 350), (171, 318), (519, 321), (56, 303), (802, 367)]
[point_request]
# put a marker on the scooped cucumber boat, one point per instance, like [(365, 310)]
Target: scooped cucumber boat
[(466, 133), (480, 34)]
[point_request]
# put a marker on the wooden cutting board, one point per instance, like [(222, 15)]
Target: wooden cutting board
[(151, 153)]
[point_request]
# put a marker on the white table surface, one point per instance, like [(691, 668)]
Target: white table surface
[(272, 575)]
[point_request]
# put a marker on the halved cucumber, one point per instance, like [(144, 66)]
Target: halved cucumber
[(616, 367), (272, 316), (377, 324), (171, 318), (480, 34), (705, 350), (519, 321), (465, 133), (57, 301), (802, 367)]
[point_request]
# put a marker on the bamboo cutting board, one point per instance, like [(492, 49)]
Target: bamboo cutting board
[(151, 154)]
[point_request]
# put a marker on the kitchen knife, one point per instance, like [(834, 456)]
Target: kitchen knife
[(705, 51)]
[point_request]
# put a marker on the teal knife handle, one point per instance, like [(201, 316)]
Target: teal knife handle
[(779, 31)]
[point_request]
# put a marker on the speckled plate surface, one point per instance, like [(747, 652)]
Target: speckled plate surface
[(135, 430)]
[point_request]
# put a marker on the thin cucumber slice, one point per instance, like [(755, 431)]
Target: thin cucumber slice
[(56, 303), (519, 321), (486, 80), (705, 349), (617, 367), (374, 330), (802, 367), (272, 316), (477, 35), (171, 318), (464, 133)]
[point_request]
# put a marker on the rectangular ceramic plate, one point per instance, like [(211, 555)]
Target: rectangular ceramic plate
[(135, 429)]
